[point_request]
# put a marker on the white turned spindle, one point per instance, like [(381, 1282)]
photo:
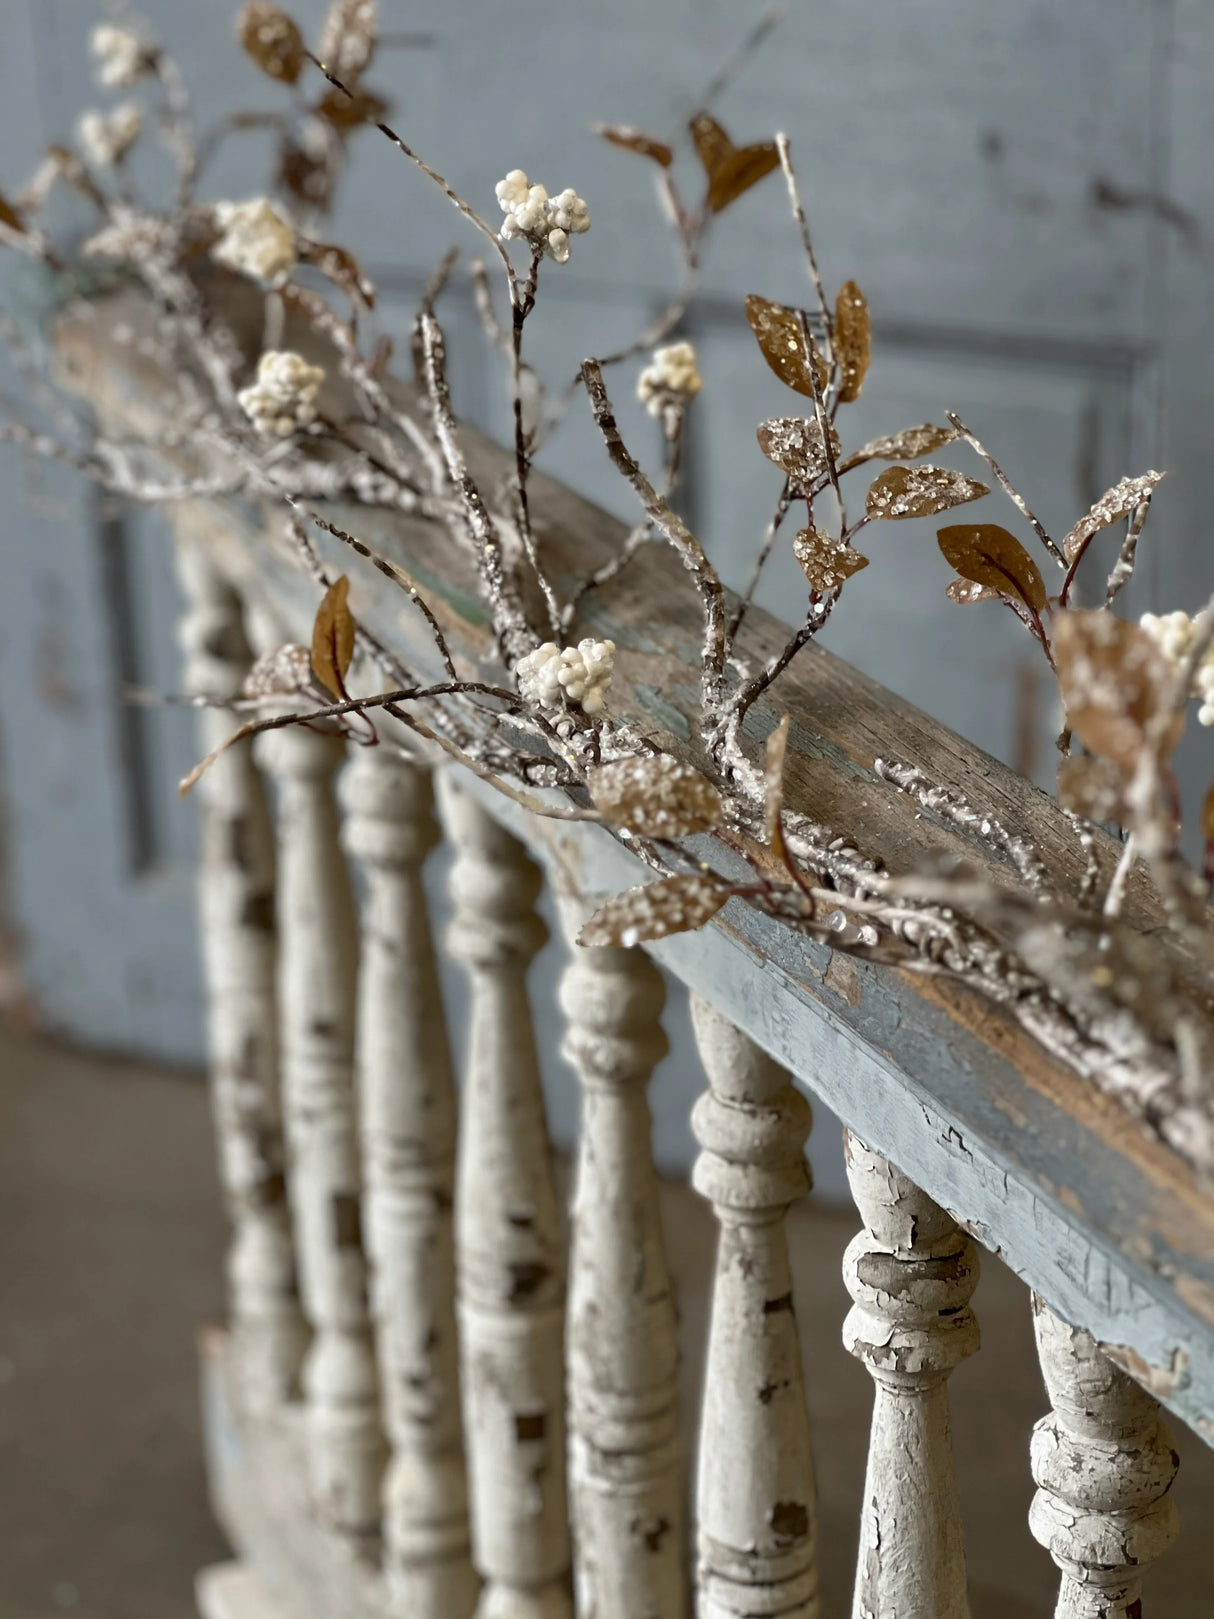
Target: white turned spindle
[(756, 1509), (624, 1455), (407, 1122), (910, 1272), (1103, 1463), (236, 913), (510, 1264), (316, 996)]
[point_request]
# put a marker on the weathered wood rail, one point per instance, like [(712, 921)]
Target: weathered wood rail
[(434, 1440)]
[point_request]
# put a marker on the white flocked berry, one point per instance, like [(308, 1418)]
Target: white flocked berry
[(122, 57), (553, 676), (283, 398), (533, 216), (108, 136), (1173, 634), (670, 379), (258, 240)]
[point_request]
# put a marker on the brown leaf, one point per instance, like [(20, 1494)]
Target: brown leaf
[(853, 340), (920, 492), (796, 445), (965, 593), (348, 41), (1091, 787), (307, 177), (333, 638), (773, 786), (782, 342), (656, 797), (1113, 505), (272, 39), (348, 112), (671, 905), (988, 555), (341, 267), (731, 169), (826, 562), (10, 217), (713, 146), (1114, 680), (632, 140), (907, 445)]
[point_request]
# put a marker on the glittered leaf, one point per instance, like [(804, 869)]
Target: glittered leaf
[(10, 217), (656, 797), (632, 140), (965, 592), (304, 175), (333, 638), (671, 905), (348, 112), (1113, 505), (1114, 680), (713, 146), (907, 445), (340, 267), (1091, 787), (743, 169), (348, 41), (272, 39), (826, 562), (795, 444), (987, 555), (773, 786), (853, 340), (920, 492), (782, 342)]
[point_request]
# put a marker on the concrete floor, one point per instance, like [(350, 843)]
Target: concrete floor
[(110, 1258)]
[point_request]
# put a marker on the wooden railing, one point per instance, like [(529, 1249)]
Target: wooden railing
[(431, 1398)]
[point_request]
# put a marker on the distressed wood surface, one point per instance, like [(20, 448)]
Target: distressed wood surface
[(910, 1273), (236, 919), (755, 1506), (509, 1241), (1077, 1192), (625, 1477), (407, 1128), (317, 960), (1103, 1463)]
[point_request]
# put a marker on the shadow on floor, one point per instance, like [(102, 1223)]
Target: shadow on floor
[(111, 1250)]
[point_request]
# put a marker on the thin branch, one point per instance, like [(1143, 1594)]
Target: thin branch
[(765, 548), (1009, 489), (1123, 569), (798, 209)]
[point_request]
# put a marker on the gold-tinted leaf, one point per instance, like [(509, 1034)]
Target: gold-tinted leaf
[(987, 555), (305, 176), (773, 786), (826, 562), (656, 797), (348, 112), (907, 445), (348, 41), (341, 267), (713, 146), (9, 216), (796, 445), (671, 905), (632, 140), (781, 340), (1113, 505), (920, 492), (272, 39), (740, 171), (333, 638), (853, 340), (1114, 680), (1091, 787)]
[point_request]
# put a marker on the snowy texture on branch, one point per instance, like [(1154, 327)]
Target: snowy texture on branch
[(122, 57), (284, 396), (670, 379), (108, 137), (1173, 634), (579, 674), (258, 240), (546, 222)]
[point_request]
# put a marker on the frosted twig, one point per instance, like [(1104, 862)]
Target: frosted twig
[(953, 807), (798, 209), (1123, 569), (765, 548)]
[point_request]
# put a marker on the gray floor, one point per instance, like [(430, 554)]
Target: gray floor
[(110, 1255)]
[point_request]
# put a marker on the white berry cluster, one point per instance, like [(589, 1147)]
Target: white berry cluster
[(581, 673), (1172, 633), (546, 222), (284, 396), (258, 240), (122, 57), (108, 137), (670, 379)]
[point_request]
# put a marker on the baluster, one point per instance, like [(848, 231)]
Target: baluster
[(236, 913), (756, 1505), (510, 1266), (1103, 1464), (316, 998), (625, 1474), (407, 1120), (911, 1272)]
